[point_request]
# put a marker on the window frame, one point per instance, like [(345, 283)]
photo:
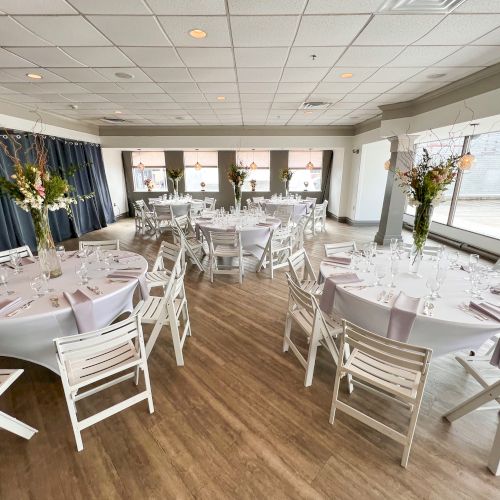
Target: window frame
[(142, 157), (303, 168), (246, 188), (189, 168)]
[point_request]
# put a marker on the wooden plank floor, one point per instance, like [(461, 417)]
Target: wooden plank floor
[(236, 420)]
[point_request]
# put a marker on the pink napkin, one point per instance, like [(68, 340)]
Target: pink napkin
[(9, 305), (83, 309), (403, 315), (495, 359), (265, 224), (338, 260), (495, 289), (25, 261), (138, 275), (491, 311), (328, 295)]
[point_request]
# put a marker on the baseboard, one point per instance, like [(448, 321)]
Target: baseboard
[(124, 215), (351, 222)]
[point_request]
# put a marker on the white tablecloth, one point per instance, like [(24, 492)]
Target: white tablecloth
[(29, 335), (178, 207), (448, 330), (299, 208)]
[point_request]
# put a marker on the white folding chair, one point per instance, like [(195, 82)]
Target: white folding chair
[(184, 235), (8, 423), (163, 218), (23, 251), (298, 233), (277, 250), (169, 263), (144, 216), (303, 310), (104, 245), (225, 245), (152, 201), (392, 369), (209, 203), (320, 216), (167, 311), (309, 224), (91, 359), (431, 250), (302, 272), (333, 248)]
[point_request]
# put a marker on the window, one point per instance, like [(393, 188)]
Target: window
[(261, 174), (297, 163), (149, 165), (209, 172)]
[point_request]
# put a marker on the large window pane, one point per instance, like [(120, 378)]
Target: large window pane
[(262, 172), (157, 175), (478, 205), (148, 158), (297, 163), (208, 174)]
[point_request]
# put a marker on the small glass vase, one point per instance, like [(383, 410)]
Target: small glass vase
[(237, 198), (47, 255), (176, 187), (422, 224)]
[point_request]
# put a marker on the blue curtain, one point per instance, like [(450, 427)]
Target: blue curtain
[(16, 227)]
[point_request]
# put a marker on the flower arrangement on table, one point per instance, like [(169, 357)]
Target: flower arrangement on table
[(175, 175), (35, 189), (237, 175), (285, 176), (203, 185), (149, 184), (424, 184), (253, 184)]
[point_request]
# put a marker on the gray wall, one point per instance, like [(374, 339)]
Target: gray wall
[(225, 197)]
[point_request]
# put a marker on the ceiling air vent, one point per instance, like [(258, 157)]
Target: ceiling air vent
[(314, 105), (113, 120), (420, 6)]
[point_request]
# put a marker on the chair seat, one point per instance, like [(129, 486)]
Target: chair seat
[(151, 309), (311, 286), (226, 251), (400, 382), (158, 278), (82, 371)]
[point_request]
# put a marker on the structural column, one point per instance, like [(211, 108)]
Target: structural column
[(391, 219)]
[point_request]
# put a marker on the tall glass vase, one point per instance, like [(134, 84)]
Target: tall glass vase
[(423, 217), (287, 188), (47, 255), (237, 198), (176, 187)]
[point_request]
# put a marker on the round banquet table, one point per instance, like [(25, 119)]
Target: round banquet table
[(300, 208), (29, 334), (254, 230), (179, 207), (448, 330)]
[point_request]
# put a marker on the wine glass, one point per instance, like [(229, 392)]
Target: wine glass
[(473, 262), (4, 279), (380, 272), (15, 260), (82, 273), (45, 275), (393, 245), (433, 285), (482, 284), (36, 285), (453, 259), (394, 271)]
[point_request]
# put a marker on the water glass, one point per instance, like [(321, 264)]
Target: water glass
[(61, 252), (453, 259), (473, 262), (36, 285), (15, 260), (380, 272), (82, 274), (4, 279), (394, 271), (433, 285), (393, 245), (45, 276)]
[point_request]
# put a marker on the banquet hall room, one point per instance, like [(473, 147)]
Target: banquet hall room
[(249, 249)]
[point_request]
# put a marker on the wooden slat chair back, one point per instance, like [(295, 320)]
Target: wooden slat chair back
[(209, 203), (320, 215), (300, 268), (298, 233), (310, 223), (390, 368), (21, 252), (98, 359), (191, 246), (277, 250), (431, 250), (333, 248), (8, 423), (145, 214), (303, 309), (225, 245), (162, 217), (104, 245), (168, 264)]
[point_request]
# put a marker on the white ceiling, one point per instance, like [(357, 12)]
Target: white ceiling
[(257, 54)]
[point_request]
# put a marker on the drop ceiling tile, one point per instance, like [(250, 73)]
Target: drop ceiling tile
[(413, 87), (198, 106), (229, 98), (358, 74), (27, 98), (213, 74), (291, 97), (448, 74), (344, 105), (287, 87), (180, 87), (282, 106), (303, 74), (137, 74), (397, 29), (140, 88), (461, 29), (19, 75), (274, 7), (9, 60), (188, 97), (102, 87), (327, 97), (359, 98), (263, 31), (207, 57), (84, 97), (329, 30), (369, 88), (64, 30), (492, 38), (130, 30), (301, 57), (178, 28), (44, 88), (45, 56), (220, 88), (153, 56), (256, 97), (36, 6), (259, 74), (335, 87), (154, 100), (193, 7), (77, 75), (99, 57), (168, 74), (255, 105), (135, 106), (125, 7), (202, 112), (260, 57), (342, 7), (359, 57), (393, 75), (480, 55), (4, 90), (12, 33), (258, 87), (422, 55), (482, 6)]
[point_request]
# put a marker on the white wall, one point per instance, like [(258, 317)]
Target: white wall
[(113, 165)]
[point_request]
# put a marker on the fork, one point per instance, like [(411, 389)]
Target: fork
[(475, 311), (466, 310), (24, 307)]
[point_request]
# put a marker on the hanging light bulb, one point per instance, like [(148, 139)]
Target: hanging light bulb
[(197, 165), (253, 165), (140, 165), (467, 160), (310, 164), (387, 164)]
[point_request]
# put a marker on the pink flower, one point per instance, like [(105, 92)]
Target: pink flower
[(40, 190)]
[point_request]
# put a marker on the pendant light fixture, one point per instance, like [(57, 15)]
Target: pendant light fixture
[(197, 165), (253, 165), (467, 160), (140, 165), (310, 164)]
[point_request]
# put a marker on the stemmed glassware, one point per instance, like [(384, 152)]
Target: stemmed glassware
[(15, 260), (433, 284), (82, 273), (393, 245), (453, 259), (36, 285), (4, 279), (380, 272), (45, 276), (394, 271), (473, 263)]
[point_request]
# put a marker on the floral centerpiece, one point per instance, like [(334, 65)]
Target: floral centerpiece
[(149, 184), (35, 189), (285, 176), (203, 185), (424, 184), (175, 175), (253, 184), (237, 175)]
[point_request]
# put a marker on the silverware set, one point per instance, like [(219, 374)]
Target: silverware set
[(473, 312), (22, 308), (95, 289)]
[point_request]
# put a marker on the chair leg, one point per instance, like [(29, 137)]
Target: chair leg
[(152, 338), (494, 459), (74, 422), (174, 329), (335, 396), (311, 362), (15, 426), (148, 387), (288, 329)]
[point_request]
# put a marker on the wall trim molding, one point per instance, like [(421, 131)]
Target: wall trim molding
[(352, 222)]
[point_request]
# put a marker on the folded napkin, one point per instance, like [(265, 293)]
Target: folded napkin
[(338, 260), (204, 218), (495, 289), (328, 295), (403, 315), (138, 275), (488, 309), (25, 261), (9, 305), (265, 224), (83, 309), (495, 359)]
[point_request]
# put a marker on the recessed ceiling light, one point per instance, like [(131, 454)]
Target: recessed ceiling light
[(118, 112), (346, 75), (126, 76), (435, 76), (308, 112), (34, 76), (221, 98), (197, 33)]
